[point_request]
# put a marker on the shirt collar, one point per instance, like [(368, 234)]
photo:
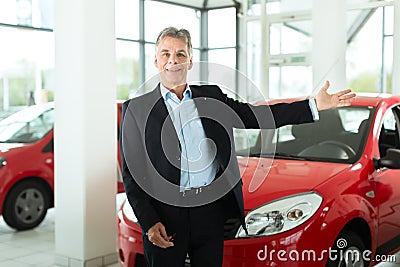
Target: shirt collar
[(166, 94)]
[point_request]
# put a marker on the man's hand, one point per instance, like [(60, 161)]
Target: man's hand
[(327, 101), (158, 236)]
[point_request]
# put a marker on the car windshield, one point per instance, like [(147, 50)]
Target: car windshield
[(28, 125), (339, 136)]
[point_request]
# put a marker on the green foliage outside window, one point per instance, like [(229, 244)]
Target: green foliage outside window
[(368, 82)]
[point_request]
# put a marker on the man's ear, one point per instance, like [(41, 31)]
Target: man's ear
[(155, 62), (190, 65)]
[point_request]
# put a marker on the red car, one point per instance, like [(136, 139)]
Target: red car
[(27, 166), (318, 194)]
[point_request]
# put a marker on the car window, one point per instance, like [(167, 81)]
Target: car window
[(389, 136), (338, 136), (27, 126)]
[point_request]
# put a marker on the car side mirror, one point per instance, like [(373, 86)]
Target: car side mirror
[(391, 160)]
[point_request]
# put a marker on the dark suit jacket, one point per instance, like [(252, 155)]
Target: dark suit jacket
[(151, 151)]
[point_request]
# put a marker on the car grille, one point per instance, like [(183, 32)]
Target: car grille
[(230, 228)]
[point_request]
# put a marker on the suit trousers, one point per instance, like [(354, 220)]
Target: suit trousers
[(199, 234)]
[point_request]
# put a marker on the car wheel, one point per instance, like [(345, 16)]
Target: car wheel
[(26, 205), (348, 251)]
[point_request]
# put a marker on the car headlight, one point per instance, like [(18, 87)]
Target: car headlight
[(128, 211), (3, 162), (280, 215)]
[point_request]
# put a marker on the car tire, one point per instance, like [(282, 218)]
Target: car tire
[(26, 205), (344, 250)]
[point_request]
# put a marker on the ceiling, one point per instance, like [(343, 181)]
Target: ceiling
[(203, 4)]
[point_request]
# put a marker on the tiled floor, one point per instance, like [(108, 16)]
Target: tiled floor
[(35, 248)]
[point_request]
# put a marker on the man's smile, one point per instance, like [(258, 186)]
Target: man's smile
[(173, 68)]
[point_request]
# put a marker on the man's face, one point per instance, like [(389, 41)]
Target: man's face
[(173, 60)]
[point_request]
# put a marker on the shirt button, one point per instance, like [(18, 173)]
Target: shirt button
[(178, 158)]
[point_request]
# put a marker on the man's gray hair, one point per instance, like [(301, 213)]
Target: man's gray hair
[(178, 34)]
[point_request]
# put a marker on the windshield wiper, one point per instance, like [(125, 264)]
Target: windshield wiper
[(279, 155)]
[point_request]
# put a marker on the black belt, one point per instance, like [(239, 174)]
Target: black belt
[(194, 190)]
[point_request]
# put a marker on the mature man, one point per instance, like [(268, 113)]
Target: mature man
[(180, 171)]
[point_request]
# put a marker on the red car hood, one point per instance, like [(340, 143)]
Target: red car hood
[(267, 179)]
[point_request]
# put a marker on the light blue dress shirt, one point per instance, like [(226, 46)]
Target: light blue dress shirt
[(198, 163)]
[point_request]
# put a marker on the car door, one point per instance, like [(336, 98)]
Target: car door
[(387, 186)]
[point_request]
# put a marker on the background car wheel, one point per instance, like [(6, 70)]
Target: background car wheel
[(347, 251), (26, 205)]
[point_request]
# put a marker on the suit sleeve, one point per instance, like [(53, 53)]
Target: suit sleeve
[(269, 116), (140, 201)]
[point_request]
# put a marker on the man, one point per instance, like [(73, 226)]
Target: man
[(180, 171)]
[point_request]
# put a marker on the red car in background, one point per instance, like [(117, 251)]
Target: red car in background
[(318, 194), (27, 166)]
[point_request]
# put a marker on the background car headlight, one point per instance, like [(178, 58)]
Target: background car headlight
[(3, 162), (280, 215), (128, 211)]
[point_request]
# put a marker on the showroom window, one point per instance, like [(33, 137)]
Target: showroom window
[(27, 53), (26, 66), (170, 15), (127, 19), (287, 46), (27, 47), (369, 67), (222, 47), (127, 54), (289, 43), (32, 13)]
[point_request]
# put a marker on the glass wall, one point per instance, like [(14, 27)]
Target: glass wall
[(27, 44), (170, 15), (127, 54), (26, 66), (289, 42), (222, 47), (127, 19), (32, 13), (290, 74), (370, 52)]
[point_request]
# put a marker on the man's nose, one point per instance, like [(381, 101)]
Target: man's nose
[(172, 59)]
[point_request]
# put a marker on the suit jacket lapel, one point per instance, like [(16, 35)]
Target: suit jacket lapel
[(161, 137)]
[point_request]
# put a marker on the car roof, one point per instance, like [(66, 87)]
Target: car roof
[(362, 99)]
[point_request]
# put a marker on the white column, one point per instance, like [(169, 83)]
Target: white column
[(329, 43), (85, 133), (396, 50)]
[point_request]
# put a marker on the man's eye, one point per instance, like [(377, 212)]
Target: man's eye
[(165, 55), (181, 55)]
